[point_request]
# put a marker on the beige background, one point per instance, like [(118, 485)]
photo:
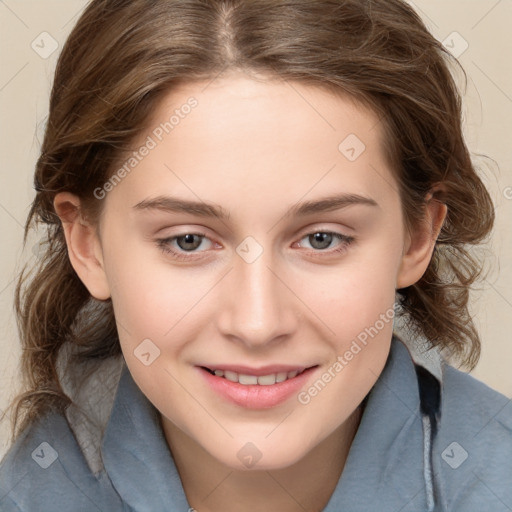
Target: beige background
[(25, 78)]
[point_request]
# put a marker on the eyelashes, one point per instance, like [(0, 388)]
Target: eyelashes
[(168, 245)]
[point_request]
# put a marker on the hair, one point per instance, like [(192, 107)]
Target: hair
[(124, 56)]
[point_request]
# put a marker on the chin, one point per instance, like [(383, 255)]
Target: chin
[(252, 456)]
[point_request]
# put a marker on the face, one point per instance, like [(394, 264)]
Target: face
[(288, 261)]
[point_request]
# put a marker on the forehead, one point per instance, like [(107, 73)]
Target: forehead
[(236, 105), (258, 138)]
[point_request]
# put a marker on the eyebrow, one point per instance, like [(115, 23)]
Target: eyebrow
[(202, 209), (330, 203)]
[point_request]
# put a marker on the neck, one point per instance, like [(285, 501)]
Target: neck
[(210, 486)]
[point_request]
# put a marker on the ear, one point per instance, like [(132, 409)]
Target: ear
[(420, 244), (84, 248)]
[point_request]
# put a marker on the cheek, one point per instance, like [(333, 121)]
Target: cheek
[(354, 295), (148, 296), (358, 308)]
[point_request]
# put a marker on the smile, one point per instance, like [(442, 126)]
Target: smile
[(262, 380), (266, 390)]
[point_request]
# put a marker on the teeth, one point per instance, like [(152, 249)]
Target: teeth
[(248, 379), (263, 380), (280, 377), (232, 376), (267, 380)]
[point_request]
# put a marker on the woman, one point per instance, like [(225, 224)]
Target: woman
[(245, 202)]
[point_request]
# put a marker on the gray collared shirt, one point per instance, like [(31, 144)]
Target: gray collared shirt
[(425, 442)]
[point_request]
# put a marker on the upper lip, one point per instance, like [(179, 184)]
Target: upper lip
[(262, 370)]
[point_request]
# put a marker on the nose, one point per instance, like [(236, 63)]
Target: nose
[(257, 305)]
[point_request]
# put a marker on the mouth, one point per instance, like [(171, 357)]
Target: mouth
[(257, 388), (248, 379)]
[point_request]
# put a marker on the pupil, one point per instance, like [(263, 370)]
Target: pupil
[(188, 239), (321, 238)]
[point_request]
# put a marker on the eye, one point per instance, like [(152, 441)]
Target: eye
[(322, 240), (186, 243), (185, 246)]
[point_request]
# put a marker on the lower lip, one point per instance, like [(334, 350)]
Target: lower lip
[(255, 396)]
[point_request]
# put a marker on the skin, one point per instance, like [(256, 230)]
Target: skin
[(256, 148)]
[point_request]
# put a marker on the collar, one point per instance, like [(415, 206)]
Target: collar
[(396, 431), (118, 429)]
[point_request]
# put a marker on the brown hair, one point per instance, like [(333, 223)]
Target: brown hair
[(123, 56)]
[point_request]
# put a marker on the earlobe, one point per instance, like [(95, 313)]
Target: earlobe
[(84, 249), (420, 244)]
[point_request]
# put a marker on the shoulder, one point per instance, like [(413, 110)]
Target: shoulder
[(473, 450), (465, 397), (45, 470)]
